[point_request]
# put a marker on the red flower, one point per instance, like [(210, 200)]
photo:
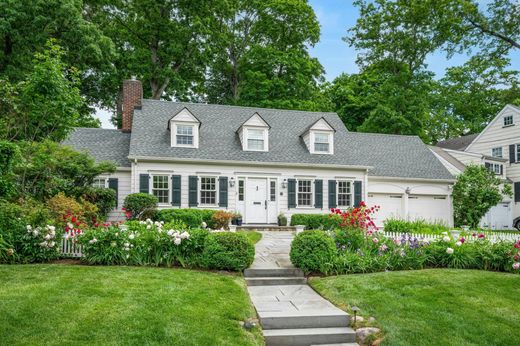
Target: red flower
[(73, 219), (462, 240), (481, 235)]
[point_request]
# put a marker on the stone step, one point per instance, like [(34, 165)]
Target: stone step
[(267, 228), (308, 336), (282, 321), (274, 272), (275, 281)]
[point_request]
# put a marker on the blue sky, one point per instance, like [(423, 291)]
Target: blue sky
[(335, 17)]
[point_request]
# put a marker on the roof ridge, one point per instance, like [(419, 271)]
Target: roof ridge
[(249, 107), (384, 134), (96, 128)]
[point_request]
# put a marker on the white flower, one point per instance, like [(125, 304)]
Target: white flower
[(51, 228), (35, 232), (149, 227), (459, 243), (185, 235), (29, 228), (177, 241), (142, 222), (444, 233), (92, 241), (113, 244), (170, 232), (126, 244), (204, 225), (446, 238), (51, 244), (70, 226), (449, 251), (117, 234), (131, 236)]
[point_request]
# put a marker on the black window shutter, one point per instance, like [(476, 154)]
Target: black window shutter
[(357, 193), (223, 192), (501, 169), (291, 193), (512, 153), (332, 194), (318, 194), (193, 183), (517, 191), (144, 182), (488, 165), (176, 190), (113, 184)]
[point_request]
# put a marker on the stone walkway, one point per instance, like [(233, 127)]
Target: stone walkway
[(289, 310)]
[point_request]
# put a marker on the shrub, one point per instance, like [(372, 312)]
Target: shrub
[(191, 217), (140, 205), (104, 199), (63, 208), (221, 219), (282, 220), (417, 226), (316, 221), (228, 251), (313, 251)]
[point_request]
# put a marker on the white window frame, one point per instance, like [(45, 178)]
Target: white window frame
[(351, 193), (264, 132), (273, 183), (494, 167), (195, 133), (508, 120), (216, 191), (330, 142), (96, 185), (311, 192), (493, 150), (168, 182), (177, 134)]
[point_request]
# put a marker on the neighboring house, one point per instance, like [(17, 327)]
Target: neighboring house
[(263, 162), (498, 148)]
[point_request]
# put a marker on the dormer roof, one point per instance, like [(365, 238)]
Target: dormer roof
[(320, 125), (255, 120)]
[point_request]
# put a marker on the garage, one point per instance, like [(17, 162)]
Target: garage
[(429, 208), (498, 217), (391, 206)]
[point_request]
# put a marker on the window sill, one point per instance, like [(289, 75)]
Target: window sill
[(208, 206), (504, 126)]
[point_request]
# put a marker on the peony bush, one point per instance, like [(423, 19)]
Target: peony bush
[(360, 248)]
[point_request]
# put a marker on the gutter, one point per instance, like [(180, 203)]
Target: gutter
[(428, 180), (248, 163)]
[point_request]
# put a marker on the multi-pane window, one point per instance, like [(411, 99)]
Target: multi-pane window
[(304, 193), (344, 194), (255, 139), (496, 152), (321, 142), (185, 134), (99, 182), (518, 153), (208, 190), (272, 190), (495, 168), (241, 190), (161, 188), (508, 120)]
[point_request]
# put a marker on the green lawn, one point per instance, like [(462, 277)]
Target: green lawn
[(252, 235), (84, 305), (433, 307)]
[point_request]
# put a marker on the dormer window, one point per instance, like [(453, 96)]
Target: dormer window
[(184, 128), (322, 142), (184, 135), (319, 137), (508, 120), (254, 134)]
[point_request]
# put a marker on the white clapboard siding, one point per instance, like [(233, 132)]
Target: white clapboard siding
[(70, 249)]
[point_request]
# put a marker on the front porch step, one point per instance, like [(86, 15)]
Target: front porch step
[(283, 321), (275, 281), (273, 272), (309, 336), (267, 228)]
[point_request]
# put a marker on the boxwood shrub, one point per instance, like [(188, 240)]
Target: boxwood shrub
[(193, 218), (316, 221), (141, 205), (313, 251), (228, 251)]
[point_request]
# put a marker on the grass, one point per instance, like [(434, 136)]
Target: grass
[(84, 305), (252, 235), (433, 307)]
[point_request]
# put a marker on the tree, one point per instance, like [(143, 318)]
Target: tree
[(47, 104), (476, 191), (26, 27), (265, 61)]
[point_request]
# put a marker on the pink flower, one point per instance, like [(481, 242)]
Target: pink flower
[(462, 240), (516, 265), (375, 240), (481, 236)]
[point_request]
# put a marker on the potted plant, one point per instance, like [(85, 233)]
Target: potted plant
[(282, 220), (237, 219)]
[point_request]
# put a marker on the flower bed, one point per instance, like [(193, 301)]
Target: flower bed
[(360, 248)]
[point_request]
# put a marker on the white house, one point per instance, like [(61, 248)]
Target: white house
[(263, 162), (498, 148)]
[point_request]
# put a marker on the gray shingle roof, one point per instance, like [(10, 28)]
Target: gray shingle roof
[(103, 144), (390, 155), (459, 143)]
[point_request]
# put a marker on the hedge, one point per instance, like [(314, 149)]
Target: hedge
[(228, 251), (316, 221), (193, 218)]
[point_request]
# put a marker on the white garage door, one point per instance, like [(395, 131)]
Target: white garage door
[(391, 206), (429, 208), (498, 217)]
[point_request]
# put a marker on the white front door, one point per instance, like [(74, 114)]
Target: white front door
[(256, 200)]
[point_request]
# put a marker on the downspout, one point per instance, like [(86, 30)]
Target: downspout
[(366, 186)]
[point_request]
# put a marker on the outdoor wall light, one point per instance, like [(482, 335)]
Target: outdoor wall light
[(407, 190), (284, 184), (232, 182)]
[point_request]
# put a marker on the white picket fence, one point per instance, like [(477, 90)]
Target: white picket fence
[(493, 237), (70, 249)]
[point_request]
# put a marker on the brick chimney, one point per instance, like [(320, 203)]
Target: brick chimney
[(132, 97)]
